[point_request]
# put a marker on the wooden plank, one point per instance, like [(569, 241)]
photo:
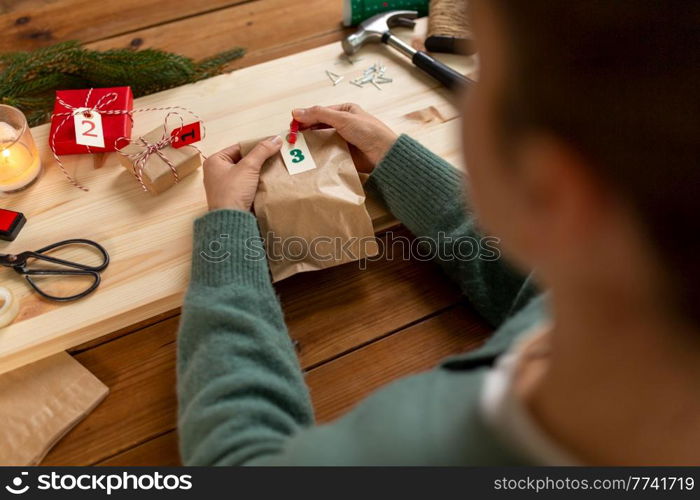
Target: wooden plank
[(333, 311), (139, 370), (125, 331), (149, 237), (161, 451), (260, 27), (257, 56), (328, 312), (141, 404), (340, 384), (30, 24)]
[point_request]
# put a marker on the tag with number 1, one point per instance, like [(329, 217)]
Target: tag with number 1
[(297, 157), (88, 128)]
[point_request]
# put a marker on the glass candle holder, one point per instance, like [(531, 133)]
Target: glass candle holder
[(20, 164)]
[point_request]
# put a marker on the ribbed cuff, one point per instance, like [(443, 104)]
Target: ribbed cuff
[(416, 184), (228, 249)]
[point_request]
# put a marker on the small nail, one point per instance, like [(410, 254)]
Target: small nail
[(276, 139), (299, 113)]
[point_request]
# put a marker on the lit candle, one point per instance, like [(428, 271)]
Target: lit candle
[(19, 159)]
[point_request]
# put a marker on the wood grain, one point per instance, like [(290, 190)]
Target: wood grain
[(339, 385), (265, 26), (161, 451), (335, 386), (356, 330), (327, 313), (333, 311), (140, 373), (125, 331), (30, 24), (149, 237)]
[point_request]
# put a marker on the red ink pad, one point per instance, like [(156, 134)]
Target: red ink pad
[(10, 224)]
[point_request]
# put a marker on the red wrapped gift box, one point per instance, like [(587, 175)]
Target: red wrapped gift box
[(114, 126)]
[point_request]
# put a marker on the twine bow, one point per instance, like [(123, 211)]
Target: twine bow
[(103, 101), (140, 159), (98, 107)]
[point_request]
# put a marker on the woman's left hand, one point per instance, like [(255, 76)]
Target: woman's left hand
[(230, 180)]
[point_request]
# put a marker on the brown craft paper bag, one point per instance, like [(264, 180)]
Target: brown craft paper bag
[(315, 219), (40, 403)]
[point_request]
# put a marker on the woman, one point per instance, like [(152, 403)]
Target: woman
[(582, 155)]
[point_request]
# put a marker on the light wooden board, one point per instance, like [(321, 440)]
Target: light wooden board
[(149, 238)]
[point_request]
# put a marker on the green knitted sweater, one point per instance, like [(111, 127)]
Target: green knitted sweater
[(242, 397)]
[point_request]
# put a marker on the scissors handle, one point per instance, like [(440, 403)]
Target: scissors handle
[(59, 272), (41, 255), (68, 268)]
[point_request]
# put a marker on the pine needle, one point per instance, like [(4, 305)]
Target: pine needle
[(28, 80)]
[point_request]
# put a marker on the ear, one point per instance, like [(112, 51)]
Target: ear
[(564, 201)]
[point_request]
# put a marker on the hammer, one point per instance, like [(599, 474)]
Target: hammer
[(378, 29)]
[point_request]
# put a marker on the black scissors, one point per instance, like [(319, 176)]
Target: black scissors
[(19, 261)]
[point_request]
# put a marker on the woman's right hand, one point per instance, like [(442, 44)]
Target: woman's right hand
[(371, 138)]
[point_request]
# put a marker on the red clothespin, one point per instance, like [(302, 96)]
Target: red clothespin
[(293, 131)]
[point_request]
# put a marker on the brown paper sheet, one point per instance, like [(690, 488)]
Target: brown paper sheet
[(40, 403), (318, 215), (157, 176)]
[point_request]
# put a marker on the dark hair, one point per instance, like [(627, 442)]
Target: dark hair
[(619, 80)]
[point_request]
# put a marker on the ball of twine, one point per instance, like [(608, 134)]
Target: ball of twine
[(449, 18)]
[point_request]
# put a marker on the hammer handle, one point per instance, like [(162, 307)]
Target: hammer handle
[(441, 72)]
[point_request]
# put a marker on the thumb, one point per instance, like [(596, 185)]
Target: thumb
[(320, 115), (261, 152)]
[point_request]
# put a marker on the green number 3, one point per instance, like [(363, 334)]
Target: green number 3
[(298, 156)]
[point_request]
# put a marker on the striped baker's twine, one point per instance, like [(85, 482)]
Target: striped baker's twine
[(99, 106), (141, 158)]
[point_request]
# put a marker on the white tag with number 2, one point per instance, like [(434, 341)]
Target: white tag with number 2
[(88, 128), (297, 157)]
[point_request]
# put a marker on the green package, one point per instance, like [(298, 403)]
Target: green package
[(356, 11)]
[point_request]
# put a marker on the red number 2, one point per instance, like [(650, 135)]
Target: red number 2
[(87, 133)]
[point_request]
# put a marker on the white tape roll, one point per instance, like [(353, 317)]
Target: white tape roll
[(10, 307)]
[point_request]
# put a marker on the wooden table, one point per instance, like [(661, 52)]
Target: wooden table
[(350, 342)]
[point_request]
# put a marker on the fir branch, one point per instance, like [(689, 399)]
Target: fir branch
[(28, 80), (215, 65)]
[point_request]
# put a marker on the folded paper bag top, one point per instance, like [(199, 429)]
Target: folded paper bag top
[(314, 219), (40, 403)]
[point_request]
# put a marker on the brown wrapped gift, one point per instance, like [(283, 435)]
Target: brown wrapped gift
[(315, 219), (156, 174)]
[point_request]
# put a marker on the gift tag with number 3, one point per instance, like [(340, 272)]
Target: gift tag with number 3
[(297, 157), (88, 128)]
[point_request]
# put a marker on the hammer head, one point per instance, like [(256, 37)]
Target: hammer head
[(372, 29)]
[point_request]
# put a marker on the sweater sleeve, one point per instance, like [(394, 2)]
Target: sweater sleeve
[(427, 195), (240, 388)]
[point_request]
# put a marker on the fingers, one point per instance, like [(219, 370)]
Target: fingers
[(261, 152), (348, 107), (335, 116), (231, 154)]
